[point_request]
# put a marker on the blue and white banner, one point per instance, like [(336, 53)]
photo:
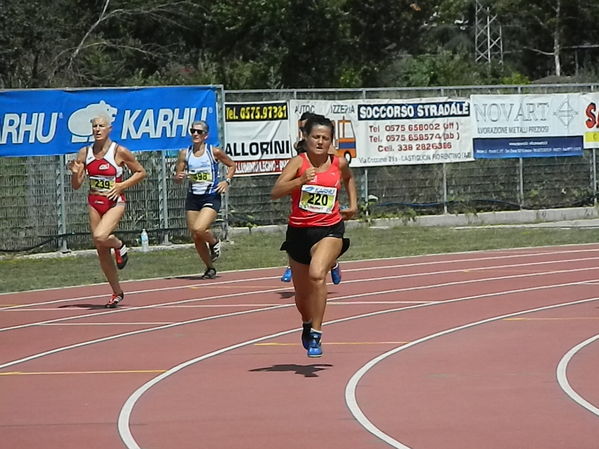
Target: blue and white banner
[(51, 122), (514, 126)]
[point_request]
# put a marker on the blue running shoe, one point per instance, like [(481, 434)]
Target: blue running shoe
[(287, 275), (306, 328), (336, 274), (314, 349)]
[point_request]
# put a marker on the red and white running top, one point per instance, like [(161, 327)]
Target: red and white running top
[(102, 173)]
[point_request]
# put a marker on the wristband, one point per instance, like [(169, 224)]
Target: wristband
[(228, 181)]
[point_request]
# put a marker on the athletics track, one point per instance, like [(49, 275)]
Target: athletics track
[(493, 350)]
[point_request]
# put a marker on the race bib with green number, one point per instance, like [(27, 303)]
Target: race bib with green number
[(318, 199), (101, 183), (202, 177)]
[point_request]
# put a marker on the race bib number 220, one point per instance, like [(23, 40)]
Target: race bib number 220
[(318, 199)]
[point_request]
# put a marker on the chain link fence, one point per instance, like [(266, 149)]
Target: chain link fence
[(39, 211)]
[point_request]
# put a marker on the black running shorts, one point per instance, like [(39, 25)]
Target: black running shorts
[(197, 202), (299, 241)]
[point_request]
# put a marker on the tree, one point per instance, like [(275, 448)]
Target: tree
[(547, 29)]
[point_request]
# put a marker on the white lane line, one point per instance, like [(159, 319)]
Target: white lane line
[(422, 287), (562, 377), (226, 315), (129, 309), (125, 414), (396, 266), (282, 306), (131, 333), (350, 389), (113, 323), (136, 292)]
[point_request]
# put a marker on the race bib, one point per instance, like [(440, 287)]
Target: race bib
[(101, 183), (203, 177), (318, 199)]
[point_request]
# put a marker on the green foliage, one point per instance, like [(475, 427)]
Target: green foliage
[(288, 43), (443, 69), (515, 78)]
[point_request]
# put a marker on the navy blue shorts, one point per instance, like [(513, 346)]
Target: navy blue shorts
[(299, 241), (197, 202)]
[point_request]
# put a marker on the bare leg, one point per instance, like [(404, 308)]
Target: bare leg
[(199, 223), (324, 254), (301, 284), (309, 281), (104, 240)]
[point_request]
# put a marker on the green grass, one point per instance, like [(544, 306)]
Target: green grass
[(262, 250)]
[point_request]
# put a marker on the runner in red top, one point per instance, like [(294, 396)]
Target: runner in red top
[(300, 147), (103, 163), (315, 230)]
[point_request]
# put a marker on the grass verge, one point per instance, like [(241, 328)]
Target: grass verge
[(259, 250)]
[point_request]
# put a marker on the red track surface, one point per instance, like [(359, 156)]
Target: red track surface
[(489, 350)]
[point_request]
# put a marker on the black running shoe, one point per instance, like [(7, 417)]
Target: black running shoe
[(215, 250), (210, 273), (121, 256)]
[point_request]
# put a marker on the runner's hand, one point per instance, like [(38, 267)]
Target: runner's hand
[(348, 213), (222, 187), (116, 191), (75, 166), (308, 175), (179, 177)]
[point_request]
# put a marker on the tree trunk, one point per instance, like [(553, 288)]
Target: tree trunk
[(556, 40)]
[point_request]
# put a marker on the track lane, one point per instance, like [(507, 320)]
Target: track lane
[(284, 359)]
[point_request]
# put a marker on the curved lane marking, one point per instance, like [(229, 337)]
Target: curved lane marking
[(415, 264), (125, 414), (562, 377), (350, 389), (282, 306), (402, 276)]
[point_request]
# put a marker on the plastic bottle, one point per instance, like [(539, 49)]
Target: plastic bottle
[(145, 243)]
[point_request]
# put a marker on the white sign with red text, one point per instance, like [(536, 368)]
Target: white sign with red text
[(590, 120)]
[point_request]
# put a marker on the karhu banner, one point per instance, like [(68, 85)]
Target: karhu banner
[(53, 122)]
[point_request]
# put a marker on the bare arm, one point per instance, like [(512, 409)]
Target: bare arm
[(349, 182), (128, 159), (180, 167), (224, 158), (77, 168), (288, 180)]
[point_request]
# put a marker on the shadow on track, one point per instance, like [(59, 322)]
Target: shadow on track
[(302, 370)]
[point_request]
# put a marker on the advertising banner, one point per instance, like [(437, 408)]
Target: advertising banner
[(258, 137), (590, 119), (514, 126), (396, 132), (51, 122)]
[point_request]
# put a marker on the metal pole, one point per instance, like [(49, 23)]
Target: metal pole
[(365, 190), (62, 210), (163, 198), (521, 175), (444, 188), (222, 134), (594, 176)]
